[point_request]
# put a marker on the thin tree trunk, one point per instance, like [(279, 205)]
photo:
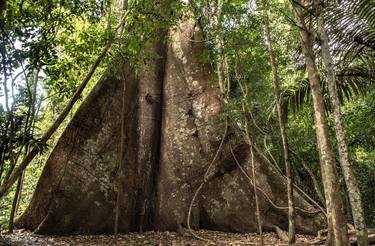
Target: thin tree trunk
[(122, 157), (30, 122), (14, 204), (245, 111), (259, 219), (20, 193), (6, 96), (30, 156), (9, 126), (219, 37), (329, 240), (328, 163), (350, 180), (123, 5), (282, 125)]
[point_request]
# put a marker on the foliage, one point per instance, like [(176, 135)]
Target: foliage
[(359, 118), (38, 36)]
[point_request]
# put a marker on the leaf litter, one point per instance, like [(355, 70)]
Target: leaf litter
[(154, 238)]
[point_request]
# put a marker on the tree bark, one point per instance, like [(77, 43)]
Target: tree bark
[(282, 126), (350, 179), (328, 165)]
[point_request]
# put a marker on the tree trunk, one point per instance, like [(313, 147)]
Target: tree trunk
[(327, 159), (350, 180), (282, 126), (174, 126), (16, 197), (246, 113), (121, 158)]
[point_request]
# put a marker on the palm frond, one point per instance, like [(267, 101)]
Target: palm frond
[(351, 82), (295, 96), (351, 27)]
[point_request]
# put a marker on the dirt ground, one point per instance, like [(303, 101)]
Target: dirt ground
[(21, 237)]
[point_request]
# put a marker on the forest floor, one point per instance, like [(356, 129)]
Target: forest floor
[(21, 237)]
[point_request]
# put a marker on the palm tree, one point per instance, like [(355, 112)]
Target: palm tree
[(348, 31), (336, 218), (351, 30)]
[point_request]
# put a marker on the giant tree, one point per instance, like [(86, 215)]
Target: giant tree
[(175, 139)]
